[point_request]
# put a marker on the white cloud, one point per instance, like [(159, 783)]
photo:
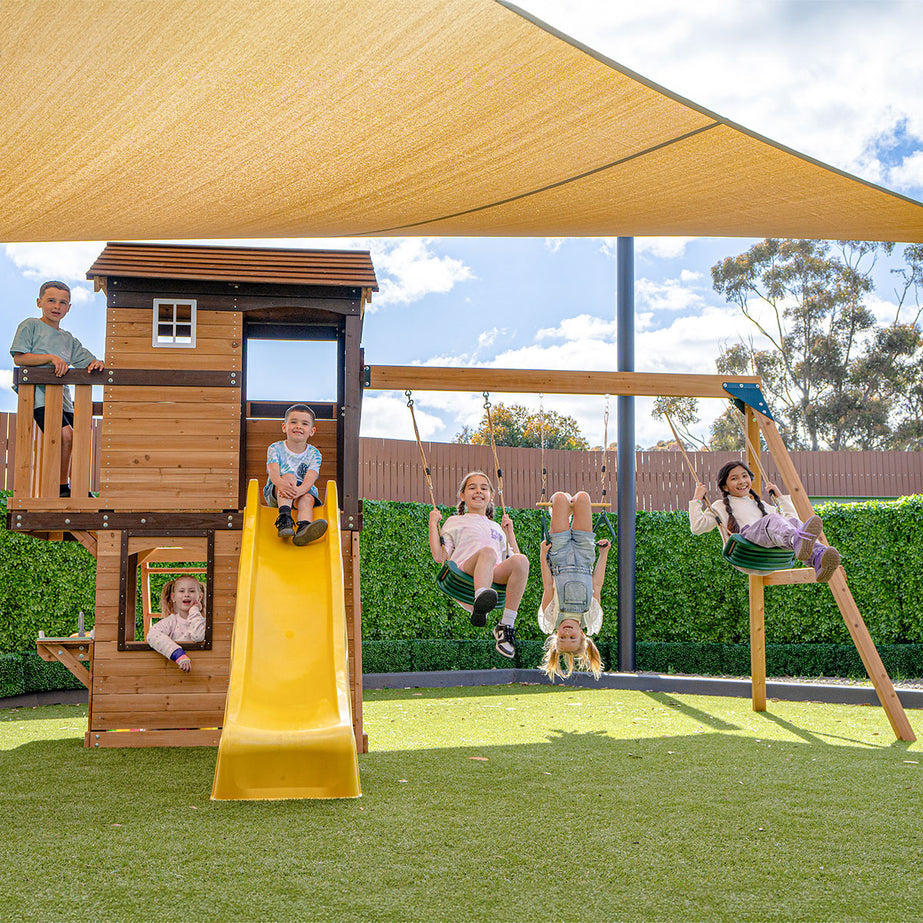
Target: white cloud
[(686, 344), (664, 248), (908, 175), (583, 326), (670, 295), (67, 262), (6, 379), (408, 270)]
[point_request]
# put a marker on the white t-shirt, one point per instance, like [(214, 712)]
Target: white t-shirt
[(591, 620)]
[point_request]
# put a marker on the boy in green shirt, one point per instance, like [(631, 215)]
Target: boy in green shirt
[(41, 341)]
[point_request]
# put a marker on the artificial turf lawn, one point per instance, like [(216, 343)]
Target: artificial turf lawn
[(508, 803)]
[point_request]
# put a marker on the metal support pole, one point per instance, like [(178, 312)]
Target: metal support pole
[(625, 317)]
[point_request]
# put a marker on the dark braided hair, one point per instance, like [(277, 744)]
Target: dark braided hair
[(722, 486)]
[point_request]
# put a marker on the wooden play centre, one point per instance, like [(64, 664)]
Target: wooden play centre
[(180, 444)]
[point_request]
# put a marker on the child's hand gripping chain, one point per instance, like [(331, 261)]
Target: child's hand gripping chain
[(741, 510)]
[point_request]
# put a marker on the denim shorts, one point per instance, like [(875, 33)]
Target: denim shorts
[(269, 495), (571, 560)]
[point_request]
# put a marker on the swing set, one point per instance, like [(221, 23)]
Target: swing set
[(745, 391), (450, 578)]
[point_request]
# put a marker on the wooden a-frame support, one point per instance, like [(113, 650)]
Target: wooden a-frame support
[(758, 423), (429, 378)]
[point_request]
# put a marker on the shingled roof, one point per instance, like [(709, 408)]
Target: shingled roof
[(236, 264)]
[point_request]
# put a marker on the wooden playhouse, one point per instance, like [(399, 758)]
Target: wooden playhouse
[(179, 442)]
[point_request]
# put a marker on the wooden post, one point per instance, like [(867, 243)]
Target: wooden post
[(840, 590), (757, 643), (51, 444), (22, 475), (83, 441)]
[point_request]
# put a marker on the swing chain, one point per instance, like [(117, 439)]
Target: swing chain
[(408, 395), (541, 419), (605, 449)]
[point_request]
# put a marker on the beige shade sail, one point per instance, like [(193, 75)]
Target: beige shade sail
[(183, 119)]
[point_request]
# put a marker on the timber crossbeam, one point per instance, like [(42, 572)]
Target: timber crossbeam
[(548, 381)]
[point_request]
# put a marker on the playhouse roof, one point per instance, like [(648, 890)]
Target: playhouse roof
[(203, 119), (350, 268)]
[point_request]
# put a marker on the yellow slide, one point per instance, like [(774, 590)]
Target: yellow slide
[(288, 730)]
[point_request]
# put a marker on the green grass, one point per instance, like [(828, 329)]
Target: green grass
[(513, 803)]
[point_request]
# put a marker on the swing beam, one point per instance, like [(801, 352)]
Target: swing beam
[(526, 381), (646, 384)]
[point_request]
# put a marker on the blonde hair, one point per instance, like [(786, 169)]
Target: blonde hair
[(489, 512), (561, 663), (166, 605)]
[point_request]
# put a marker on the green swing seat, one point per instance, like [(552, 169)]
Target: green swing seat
[(751, 558), (458, 585)]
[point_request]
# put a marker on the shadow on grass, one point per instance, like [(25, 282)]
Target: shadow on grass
[(708, 824), (712, 721)]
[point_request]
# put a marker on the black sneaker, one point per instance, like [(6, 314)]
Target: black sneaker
[(484, 602), (64, 490), (285, 525), (506, 640), (309, 531)]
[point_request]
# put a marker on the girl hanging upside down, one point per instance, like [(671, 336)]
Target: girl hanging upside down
[(741, 510), (488, 551), (570, 609)]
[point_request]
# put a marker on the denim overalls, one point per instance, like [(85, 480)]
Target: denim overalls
[(571, 560)]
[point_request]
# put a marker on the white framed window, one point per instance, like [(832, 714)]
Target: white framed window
[(174, 323)]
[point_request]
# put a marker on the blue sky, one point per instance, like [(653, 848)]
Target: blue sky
[(838, 80)]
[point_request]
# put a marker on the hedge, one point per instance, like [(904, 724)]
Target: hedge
[(686, 597), (684, 591), (43, 587)]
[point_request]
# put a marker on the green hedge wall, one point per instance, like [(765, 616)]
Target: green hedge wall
[(684, 591), (43, 587)]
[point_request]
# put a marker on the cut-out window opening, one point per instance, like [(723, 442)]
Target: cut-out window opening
[(147, 564), (174, 323)]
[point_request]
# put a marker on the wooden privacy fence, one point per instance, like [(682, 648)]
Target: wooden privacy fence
[(390, 469)]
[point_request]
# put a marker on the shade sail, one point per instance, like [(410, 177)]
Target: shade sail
[(206, 118)]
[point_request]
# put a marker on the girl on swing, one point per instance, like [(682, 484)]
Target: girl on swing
[(488, 551), (570, 609), (741, 510)]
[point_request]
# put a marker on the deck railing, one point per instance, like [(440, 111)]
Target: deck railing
[(34, 457)]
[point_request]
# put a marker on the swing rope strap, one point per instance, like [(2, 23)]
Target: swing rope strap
[(416, 433), (493, 446), (682, 448), (754, 455), (605, 451)]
